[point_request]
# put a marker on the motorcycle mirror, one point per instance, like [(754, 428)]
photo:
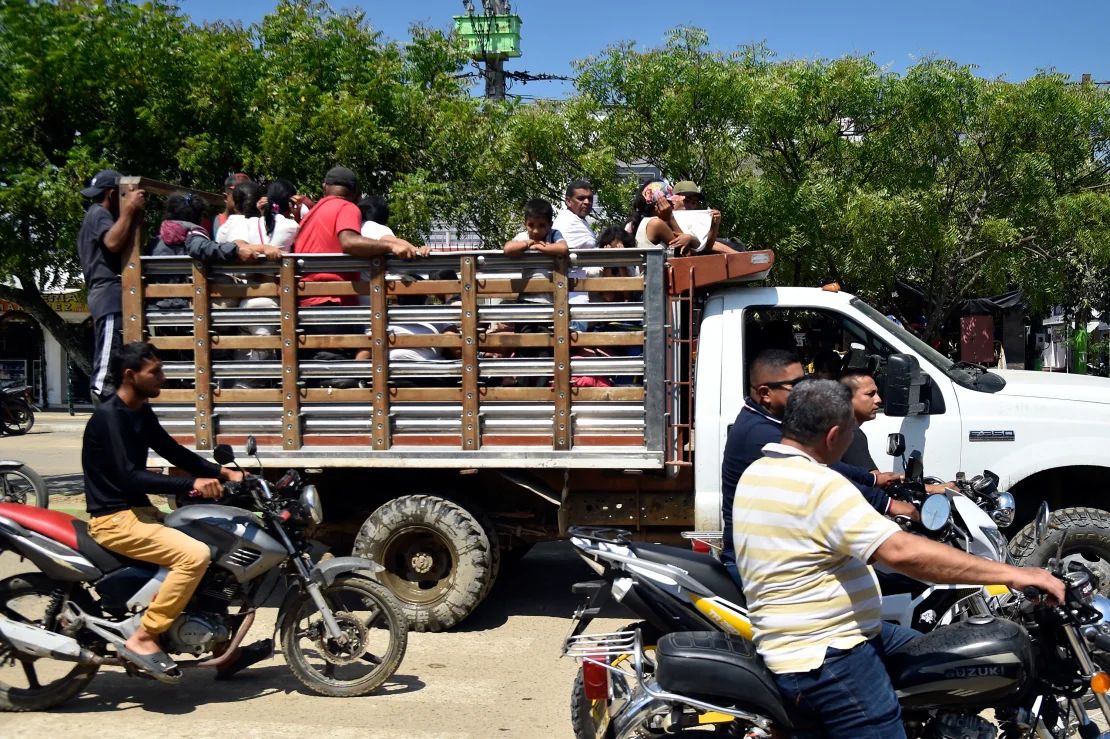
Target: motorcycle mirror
[(896, 444), (935, 512), (915, 468), (223, 454), (252, 446), (1040, 525)]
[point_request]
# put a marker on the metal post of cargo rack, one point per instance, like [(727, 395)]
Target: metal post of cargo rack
[(379, 327), (471, 422), (562, 422), (203, 381), (655, 354)]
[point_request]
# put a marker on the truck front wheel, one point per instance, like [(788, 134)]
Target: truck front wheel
[(1085, 534), (440, 561)]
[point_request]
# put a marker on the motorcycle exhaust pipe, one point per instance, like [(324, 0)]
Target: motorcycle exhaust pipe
[(35, 642)]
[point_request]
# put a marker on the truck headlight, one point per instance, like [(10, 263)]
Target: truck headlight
[(1004, 509), (310, 501)]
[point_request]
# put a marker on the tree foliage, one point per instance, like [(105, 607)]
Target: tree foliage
[(850, 171)]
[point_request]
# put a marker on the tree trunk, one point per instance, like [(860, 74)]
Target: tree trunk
[(66, 334)]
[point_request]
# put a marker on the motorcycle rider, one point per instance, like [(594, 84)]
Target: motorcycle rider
[(773, 374), (122, 519), (805, 537)]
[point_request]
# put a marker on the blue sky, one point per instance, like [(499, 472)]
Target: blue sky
[(1010, 39)]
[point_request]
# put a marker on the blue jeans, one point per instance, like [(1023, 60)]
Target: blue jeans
[(851, 695)]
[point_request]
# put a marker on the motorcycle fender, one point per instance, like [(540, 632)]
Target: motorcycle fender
[(326, 571), (56, 561), (324, 574), (9, 464)]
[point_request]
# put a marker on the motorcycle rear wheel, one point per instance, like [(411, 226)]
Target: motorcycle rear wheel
[(16, 417), (366, 611), (26, 598), (590, 718), (25, 486)]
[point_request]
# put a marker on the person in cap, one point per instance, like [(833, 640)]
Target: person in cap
[(653, 221), (109, 226), (689, 197), (333, 226)]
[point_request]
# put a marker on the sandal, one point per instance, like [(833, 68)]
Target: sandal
[(157, 664)]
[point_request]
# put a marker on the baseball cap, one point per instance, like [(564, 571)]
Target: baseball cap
[(105, 179), (687, 187), (343, 177)]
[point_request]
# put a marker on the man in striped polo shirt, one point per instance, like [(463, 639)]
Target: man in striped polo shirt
[(804, 537)]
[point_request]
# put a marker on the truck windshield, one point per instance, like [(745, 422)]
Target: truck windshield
[(922, 349)]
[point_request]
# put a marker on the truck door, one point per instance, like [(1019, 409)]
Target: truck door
[(825, 338)]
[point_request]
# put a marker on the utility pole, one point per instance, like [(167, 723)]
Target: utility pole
[(491, 38)]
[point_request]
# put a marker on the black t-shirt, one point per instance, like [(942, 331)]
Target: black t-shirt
[(101, 267), (858, 454), (114, 453)]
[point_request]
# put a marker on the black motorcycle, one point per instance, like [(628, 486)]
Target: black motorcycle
[(342, 633), (1033, 669), (17, 414)]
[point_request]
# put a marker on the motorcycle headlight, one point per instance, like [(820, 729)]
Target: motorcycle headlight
[(310, 501), (998, 541), (1004, 509)]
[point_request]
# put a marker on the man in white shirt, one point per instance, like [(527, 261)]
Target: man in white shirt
[(570, 221)]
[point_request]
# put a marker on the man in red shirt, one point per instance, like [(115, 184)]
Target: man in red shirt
[(333, 227)]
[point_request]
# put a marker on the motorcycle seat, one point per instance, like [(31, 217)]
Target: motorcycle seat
[(51, 524), (705, 568), (722, 669)]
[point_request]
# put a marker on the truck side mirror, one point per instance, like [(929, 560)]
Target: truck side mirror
[(904, 386), (896, 445)]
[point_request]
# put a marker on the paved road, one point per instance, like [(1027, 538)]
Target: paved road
[(499, 674)]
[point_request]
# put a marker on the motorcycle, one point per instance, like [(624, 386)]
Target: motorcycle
[(673, 589), (17, 414), (1032, 670), (21, 484), (342, 633)]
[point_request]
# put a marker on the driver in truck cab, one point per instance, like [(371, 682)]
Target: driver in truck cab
[(773, 375), (118, 436), (805, 540)]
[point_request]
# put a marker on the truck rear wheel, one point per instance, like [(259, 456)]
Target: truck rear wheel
[(440, 561)]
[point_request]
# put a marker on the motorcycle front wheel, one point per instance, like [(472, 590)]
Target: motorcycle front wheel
[(376, 638), (16, 417)]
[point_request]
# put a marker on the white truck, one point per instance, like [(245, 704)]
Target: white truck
[(507, 399)]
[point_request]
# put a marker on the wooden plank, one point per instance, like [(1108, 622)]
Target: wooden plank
[(237, 341), (338, 395), (203, 382), (425, 287), (131, 278), (379, 320), (561, 381), (235, 290), (430, 394), (247, 395), (163, 290), (608, 284), (157, 187), (177, 396), (598, 394), (516, 341), (471, 418), (290, 393), (607, 338), (598, 440), (448, 440), (337, 341)]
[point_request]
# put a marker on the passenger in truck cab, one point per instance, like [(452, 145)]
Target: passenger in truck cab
[(772, 375), (866, 402)]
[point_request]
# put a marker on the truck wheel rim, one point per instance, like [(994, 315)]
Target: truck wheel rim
[(420, 564)]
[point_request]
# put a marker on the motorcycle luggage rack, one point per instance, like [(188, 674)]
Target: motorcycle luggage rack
[(712, 539), (607, 534), (594, 647)]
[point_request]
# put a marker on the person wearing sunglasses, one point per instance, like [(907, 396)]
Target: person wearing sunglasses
[(773, 374)]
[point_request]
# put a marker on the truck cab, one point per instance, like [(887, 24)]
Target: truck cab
[(1028, 427)]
